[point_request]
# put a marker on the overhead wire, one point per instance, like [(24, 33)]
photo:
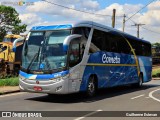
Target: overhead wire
[(129, 18), (139, 10), (150, 30), (78, 9), (146, 28)]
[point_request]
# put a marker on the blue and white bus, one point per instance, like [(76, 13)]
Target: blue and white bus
[(82, 56)]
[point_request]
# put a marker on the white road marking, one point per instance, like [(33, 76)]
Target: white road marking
[(137, 96), (147, 97), (88, 115), (12, 94), (151, 95)]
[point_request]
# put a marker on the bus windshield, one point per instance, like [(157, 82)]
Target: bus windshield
[(43, 50)]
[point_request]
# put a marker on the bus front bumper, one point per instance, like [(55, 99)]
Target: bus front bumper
[(46, 86)]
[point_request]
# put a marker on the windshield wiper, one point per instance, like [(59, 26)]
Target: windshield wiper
[(35, 56)]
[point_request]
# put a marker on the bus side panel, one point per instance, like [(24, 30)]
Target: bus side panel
[(110, 74), (145, 67), (102, 75), (87, 73)]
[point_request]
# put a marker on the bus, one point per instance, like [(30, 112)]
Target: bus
[(82, 56)]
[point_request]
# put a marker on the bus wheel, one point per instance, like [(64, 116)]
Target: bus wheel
[(140, 81), (91, 87)]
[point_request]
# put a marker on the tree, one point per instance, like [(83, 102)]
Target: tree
[(9, 21), (156, 44)]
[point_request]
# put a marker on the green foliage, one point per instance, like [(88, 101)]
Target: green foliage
[(9, 82), (156, 72), (9, 21), (156, 44)]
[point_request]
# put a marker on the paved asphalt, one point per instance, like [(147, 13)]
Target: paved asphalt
[(124, 98)]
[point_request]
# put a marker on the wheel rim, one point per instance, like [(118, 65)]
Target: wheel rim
[(91, 86)]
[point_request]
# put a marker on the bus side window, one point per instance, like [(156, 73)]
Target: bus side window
[(74, 54), (84, 31), (123, 46), (113, 44), (146, 49), (97, 42), (107, 43)]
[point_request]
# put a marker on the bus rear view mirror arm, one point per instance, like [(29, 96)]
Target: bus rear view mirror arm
[(68, 40), (15, 42)]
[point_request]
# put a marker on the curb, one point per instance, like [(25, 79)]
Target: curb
[(156, 78), (8, 92)]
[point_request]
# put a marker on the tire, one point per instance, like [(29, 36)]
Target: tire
[(91, 87), (140, 82)]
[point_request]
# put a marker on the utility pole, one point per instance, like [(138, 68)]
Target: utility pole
[(124, 16), (138, 28), (113, 18)]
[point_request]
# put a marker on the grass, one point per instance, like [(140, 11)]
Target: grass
[(9, 81), (156, 72)]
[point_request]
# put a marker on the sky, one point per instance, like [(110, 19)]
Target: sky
[(40, 12)]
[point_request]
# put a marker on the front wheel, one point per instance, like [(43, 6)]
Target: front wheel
[(91, 87)]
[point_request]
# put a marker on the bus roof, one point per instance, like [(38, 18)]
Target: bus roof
[(69, 25)]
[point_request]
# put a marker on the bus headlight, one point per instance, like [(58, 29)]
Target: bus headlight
[(65, 76), (57, 79)]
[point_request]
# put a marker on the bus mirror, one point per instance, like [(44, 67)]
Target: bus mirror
[(15, 42), (68, 40)]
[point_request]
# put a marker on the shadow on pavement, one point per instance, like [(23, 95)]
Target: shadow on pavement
[(101, 94)]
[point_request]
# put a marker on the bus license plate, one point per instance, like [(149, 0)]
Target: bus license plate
[(37, 88)]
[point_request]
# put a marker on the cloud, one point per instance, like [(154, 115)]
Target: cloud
[(49, 8), (131, 9), (86, 5), (42, 7), (154, 6), (152, 16), (30, 19), (149, 16), (90, 4)]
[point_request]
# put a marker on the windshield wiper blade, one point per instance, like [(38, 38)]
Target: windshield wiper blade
[(35, 56)]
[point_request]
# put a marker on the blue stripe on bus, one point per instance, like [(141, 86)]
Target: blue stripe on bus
[(53, 27), (44, 76)]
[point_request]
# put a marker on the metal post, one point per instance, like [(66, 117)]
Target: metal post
[(113, 18)]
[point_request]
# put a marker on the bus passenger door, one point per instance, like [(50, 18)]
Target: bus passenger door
[(74, 59)]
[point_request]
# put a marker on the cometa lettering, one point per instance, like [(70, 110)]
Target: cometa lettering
[(114, 60)]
